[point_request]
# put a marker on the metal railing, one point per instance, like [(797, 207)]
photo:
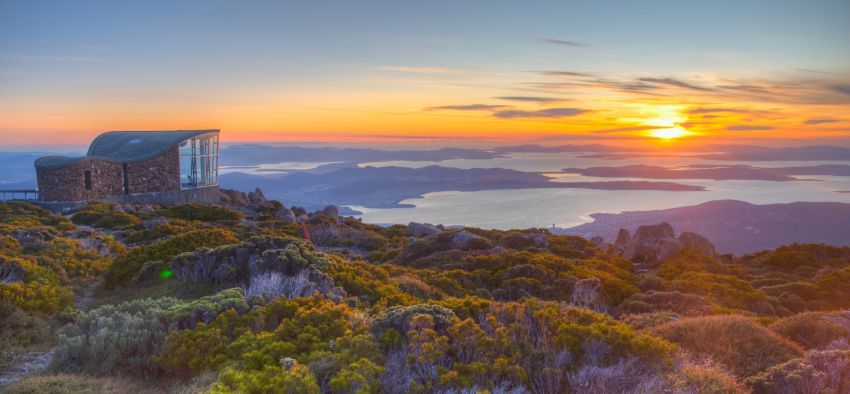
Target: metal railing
[(16, 194)]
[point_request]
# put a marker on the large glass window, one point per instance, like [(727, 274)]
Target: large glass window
[(199, 161)]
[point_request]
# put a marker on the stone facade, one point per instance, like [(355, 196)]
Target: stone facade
[(68, 183), (129, 166), (157, 174)]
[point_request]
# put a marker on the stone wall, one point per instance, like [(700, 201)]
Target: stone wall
[(157, 174), (67, 183), (201, 195)]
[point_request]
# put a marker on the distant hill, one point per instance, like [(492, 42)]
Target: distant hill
[(385, 187), (736, 226)]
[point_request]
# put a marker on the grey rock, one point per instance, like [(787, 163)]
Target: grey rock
[(331, 211), (421, 229), (697, 242), (465, 240)]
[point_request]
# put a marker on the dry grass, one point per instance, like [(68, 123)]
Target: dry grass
[(82, 384), (814, 330), (704, 377), (735, 341)]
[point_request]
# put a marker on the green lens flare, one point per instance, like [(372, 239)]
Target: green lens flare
[(165, 274)]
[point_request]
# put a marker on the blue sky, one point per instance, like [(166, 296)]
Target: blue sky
[(143, 59)]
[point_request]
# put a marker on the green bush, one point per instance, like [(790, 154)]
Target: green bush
[(202, 213), (126, 266), (814, 330), (818, 372), (735, 341), (125, 338), (35, 296), (117, 220)]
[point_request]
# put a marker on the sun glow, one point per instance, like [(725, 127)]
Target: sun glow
[(666, 120), (670, 133)]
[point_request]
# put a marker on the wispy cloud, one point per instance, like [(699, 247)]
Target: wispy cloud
[(743, 127), (533, 99), (543, 113), (568, 43), (421, 70), (468, 107), (841, 88), (564, 73), (674, 82), (624, 129), (716, 110), (800, 89), (821, 120)]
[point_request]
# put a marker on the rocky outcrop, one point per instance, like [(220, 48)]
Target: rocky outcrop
[(255, 203), (286, 215), (522, 241), (420, 230), (331, 233), (258, 200), (464, 240), (237, 264), (331, 211), (654, 244), (643, 247), (233, 198), (33, 236), (697, 242)]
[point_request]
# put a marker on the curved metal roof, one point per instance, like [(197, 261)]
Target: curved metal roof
[(126, 146), (129, 146), (55, 161)]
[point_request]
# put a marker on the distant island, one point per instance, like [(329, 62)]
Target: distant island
[(736, 226), (385, 187), (737, 172)]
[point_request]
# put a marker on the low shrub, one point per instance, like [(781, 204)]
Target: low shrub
[(704, 377), (726, 290), (126, 266), (202, 213), (735, 341), (814, 330), (272, 379), (826, 371), (35, 296), (114, 220), (125, 338), (78, 384), (91, 213)]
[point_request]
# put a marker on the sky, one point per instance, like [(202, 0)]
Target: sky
[(428, 72)]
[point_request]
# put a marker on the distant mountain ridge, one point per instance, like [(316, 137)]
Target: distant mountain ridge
[(385, 187), (735, 226)]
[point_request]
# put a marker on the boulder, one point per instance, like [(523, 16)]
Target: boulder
[(286, 215), (331, 211), (654, 244), (419, 230), (234, 198), (464, 240), (258, 200), (666, 248), (521, 241), (623, 239), (154, 222), (697, 242), (643, 247), (540, 240)]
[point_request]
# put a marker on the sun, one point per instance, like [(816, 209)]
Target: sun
[(666, 121), (669, 133)]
